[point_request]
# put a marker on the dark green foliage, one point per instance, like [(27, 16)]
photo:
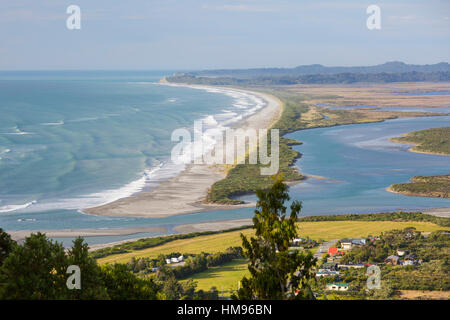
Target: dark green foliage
[(36, 270), (6, 245), (121, 284), (92, 286), (275, 272)]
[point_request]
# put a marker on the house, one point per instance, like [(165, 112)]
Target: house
[(409, 260), (174, 260), (297, 241), (410, 257), (359, 242), (337, 286), (351, 266), (332, 251), (335, 252), (346, 244), (401, 252), (322, 273), (392, 260), (330, 266)]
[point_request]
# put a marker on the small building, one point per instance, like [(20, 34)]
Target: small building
[(359, 242), (401, 252), (297, 241), (392, 260), (408, 263), (335, 252), (351, 266), (346, 244), (332, 251), (168, 261), (323, 273), (410, 257), (330, 266), (337, 286)]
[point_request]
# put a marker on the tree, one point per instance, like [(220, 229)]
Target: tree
[(121, 284), (92, 286), (275, 272), (172, 289), (6, 245), (188, 289), (36, 270)]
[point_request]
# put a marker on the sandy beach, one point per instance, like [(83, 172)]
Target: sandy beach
[(186, 192), (72, 233)]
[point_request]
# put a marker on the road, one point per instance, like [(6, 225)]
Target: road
[(323, 248)]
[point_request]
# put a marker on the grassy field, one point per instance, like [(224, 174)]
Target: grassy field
[(225, 278), (431, 186), (326, 230)]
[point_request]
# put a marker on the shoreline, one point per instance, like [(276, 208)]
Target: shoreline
[(186, 192), (72, 233), (409, 194)]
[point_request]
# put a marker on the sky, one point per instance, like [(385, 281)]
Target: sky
[(212, 34)]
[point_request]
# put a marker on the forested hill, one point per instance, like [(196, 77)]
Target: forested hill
[(439, 76), (314, 69)]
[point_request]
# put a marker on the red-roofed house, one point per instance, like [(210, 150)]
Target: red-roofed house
[(332, 251)]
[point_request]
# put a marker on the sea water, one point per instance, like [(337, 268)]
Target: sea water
[(74, 140)]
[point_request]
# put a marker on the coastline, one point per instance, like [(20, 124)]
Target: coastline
[(186, 192), (409, 194)]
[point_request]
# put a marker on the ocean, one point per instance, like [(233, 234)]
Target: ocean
[(73, 140)]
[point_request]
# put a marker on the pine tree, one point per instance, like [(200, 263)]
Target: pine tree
[(275, 272)]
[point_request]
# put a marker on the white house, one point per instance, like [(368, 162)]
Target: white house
[(338, 286), (326, 273), (346, 244)]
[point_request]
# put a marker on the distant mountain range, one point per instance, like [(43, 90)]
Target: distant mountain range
[(388, 67)]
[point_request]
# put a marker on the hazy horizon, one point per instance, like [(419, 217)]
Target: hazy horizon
[(189, 70)]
